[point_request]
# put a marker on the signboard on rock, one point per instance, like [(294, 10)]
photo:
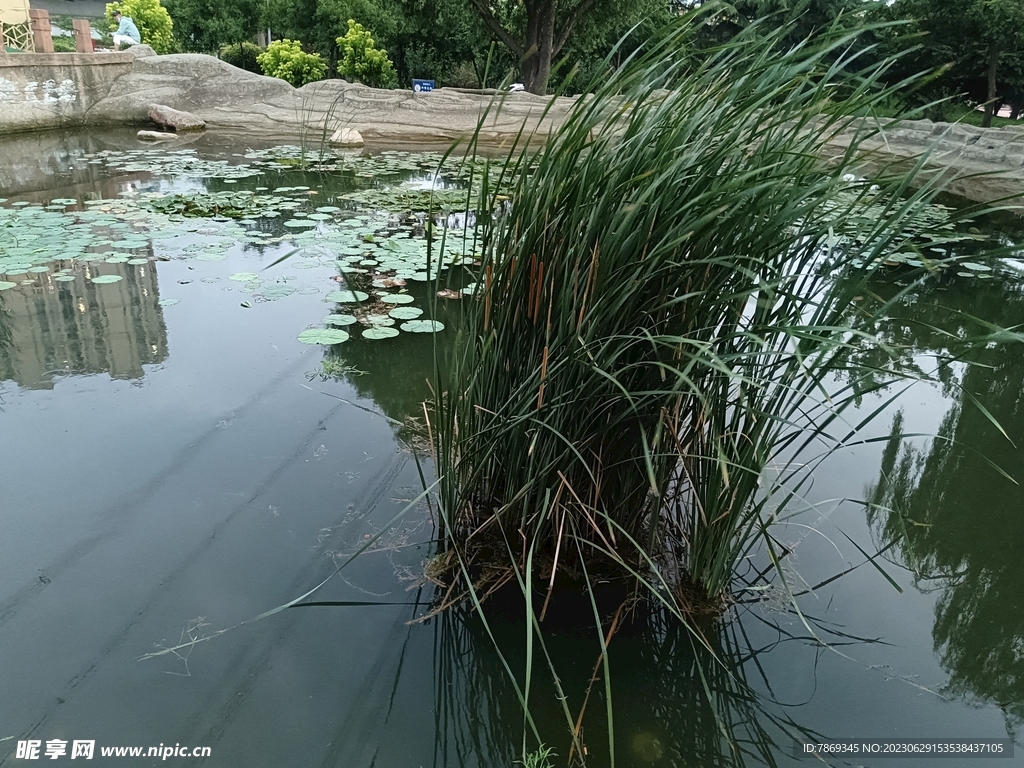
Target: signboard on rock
[(422, 86)]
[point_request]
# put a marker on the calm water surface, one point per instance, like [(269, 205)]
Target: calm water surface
[(170, 469)]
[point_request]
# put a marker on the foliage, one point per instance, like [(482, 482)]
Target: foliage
[(539, 758), (360, 61), (976, 47), (152, 19), (206, 25), (64, 44), (658, 322), (286, 60), (242, 55)]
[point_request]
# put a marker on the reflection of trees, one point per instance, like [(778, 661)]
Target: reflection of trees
[(960, 520)]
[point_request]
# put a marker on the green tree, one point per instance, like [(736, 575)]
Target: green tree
[(361, 61), (973, 39), (536, 31), (286, 60), (154, 23), (207, 25)]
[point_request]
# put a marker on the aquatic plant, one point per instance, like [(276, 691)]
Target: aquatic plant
[(657, 322)]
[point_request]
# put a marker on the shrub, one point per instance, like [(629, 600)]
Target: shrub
[(152, 19), (286, 60), (361, 62), (242, 55), (64, 44)]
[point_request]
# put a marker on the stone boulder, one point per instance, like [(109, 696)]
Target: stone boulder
[(155, 136), (346, 137), (175, 119)]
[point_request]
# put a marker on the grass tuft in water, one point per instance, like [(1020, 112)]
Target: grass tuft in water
[(657, 330)]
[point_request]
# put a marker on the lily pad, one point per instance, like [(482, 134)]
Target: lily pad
[(107, 279), (422, 326), (380, 332), (168, 302), (346, 297), (244, 277), (137, 262), (406, 313), (397, 298), (339, 320), (323, 336), (5, 286)]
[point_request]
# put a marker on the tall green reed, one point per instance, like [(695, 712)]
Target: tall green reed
[(658, 324)]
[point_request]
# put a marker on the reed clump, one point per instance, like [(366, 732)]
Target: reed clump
[(657, 321)]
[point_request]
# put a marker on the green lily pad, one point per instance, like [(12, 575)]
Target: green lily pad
[(323, 336), (339, 320), (137, 262), (405, 313), (397, 298), (5, 286), (380, 332), (107, 279), (975, 267), (422, 326), (278, 292), (297, 223), (64, 278), (244, 277), (346, 297), (168, 302)]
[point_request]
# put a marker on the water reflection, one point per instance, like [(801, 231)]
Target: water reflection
[(952, 504), (676, 701), (54, 328)]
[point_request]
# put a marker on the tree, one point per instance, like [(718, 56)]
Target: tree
[(535, 31), (973, 37), (154, 23), (360, 61), (206, 25)]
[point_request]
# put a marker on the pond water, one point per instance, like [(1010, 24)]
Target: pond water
[(176, 461)]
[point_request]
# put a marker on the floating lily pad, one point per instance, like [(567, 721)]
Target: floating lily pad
[(278, 292), (422, 326), (168, 302), (107, 279), (346, 297), (405, 313), (297, 223), (339, 320), (64, 278), (244, 277), (397, 298), (323, 336), (137, 262), (380, 332), (5, 286), (975, 267)]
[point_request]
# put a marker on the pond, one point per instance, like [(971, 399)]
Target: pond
[(176, 461)]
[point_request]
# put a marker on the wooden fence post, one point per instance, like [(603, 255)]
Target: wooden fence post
[(3, 46), (39, 21), (83, 35)]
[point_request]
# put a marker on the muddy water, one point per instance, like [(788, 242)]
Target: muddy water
[(170, 470)]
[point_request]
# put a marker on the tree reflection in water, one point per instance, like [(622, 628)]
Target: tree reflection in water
[(951, 504)]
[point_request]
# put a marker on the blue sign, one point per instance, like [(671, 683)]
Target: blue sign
[(422, 86)]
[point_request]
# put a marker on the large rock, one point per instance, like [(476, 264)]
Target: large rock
[(346, 137), (175, 119), (155, 136)]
